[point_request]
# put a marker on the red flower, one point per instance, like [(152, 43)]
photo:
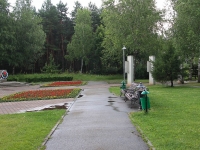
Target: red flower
[(41, 94)]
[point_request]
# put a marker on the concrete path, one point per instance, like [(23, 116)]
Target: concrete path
[(97, 121)]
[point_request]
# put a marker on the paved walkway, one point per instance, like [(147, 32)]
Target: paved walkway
[(96, 121)]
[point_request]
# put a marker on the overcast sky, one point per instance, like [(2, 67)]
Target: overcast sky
[(70, 3)]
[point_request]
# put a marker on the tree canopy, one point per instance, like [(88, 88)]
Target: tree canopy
[(186, 30), (167, 65), (82, 40)]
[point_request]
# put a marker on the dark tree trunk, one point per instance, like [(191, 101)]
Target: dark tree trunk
[(172, 84), (13, 70)]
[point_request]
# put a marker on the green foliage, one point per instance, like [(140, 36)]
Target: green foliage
[(29, 35), (141, 72), (27, 131), (95, 15), (67, 77), (40, 78), (186, 27), (76, 8), (82, 41), (94, 77), (186, 31), (131, 23), (58, 28), (48, 79), (74, 93), (7, 34), (50, 67), (167, 65)]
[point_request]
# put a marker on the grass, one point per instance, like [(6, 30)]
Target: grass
[(76, 76), (64, 83), (173, 121), (91, 77), (111, 79), (27, 131)]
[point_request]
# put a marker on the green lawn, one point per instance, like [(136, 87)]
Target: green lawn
[(27, 131), (173, 121)]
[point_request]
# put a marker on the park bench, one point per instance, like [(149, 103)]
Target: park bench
[(133, 93)]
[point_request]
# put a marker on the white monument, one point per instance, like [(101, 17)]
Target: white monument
[(149, 69), (129, 69)]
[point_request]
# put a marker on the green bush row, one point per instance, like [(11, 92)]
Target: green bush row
[(39, 78)]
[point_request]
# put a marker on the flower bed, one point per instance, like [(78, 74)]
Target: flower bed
[(41, 95), (65, 83)]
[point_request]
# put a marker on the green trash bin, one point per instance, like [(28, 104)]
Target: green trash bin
[(143, 102), (123, 85)]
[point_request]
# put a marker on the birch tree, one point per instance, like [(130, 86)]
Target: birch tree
[(82, 41), (132, 23)]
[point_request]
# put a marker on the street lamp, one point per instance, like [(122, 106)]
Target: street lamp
[(124, 48)]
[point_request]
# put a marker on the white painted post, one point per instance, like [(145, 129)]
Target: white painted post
[(126, 66), (130, 70), (150, 67)]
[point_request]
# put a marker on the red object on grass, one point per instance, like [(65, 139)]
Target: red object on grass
[(41, 94)]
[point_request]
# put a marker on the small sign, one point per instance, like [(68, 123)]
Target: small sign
[(4, 74)]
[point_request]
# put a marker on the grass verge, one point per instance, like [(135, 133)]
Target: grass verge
[(27, 131), (173, 121)]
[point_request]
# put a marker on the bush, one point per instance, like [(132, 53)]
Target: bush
[(39, 78), (141, 72), (50, 67)]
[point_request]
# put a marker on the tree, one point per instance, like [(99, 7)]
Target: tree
[(96, 16), (95, 64), (7, 38), (186, 30), (167, 65), (59, 30), (132, 23), (74, 12), (50, 20), (63, 34), (29, 36), (50, 67), (96, 54), (82, 40)]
